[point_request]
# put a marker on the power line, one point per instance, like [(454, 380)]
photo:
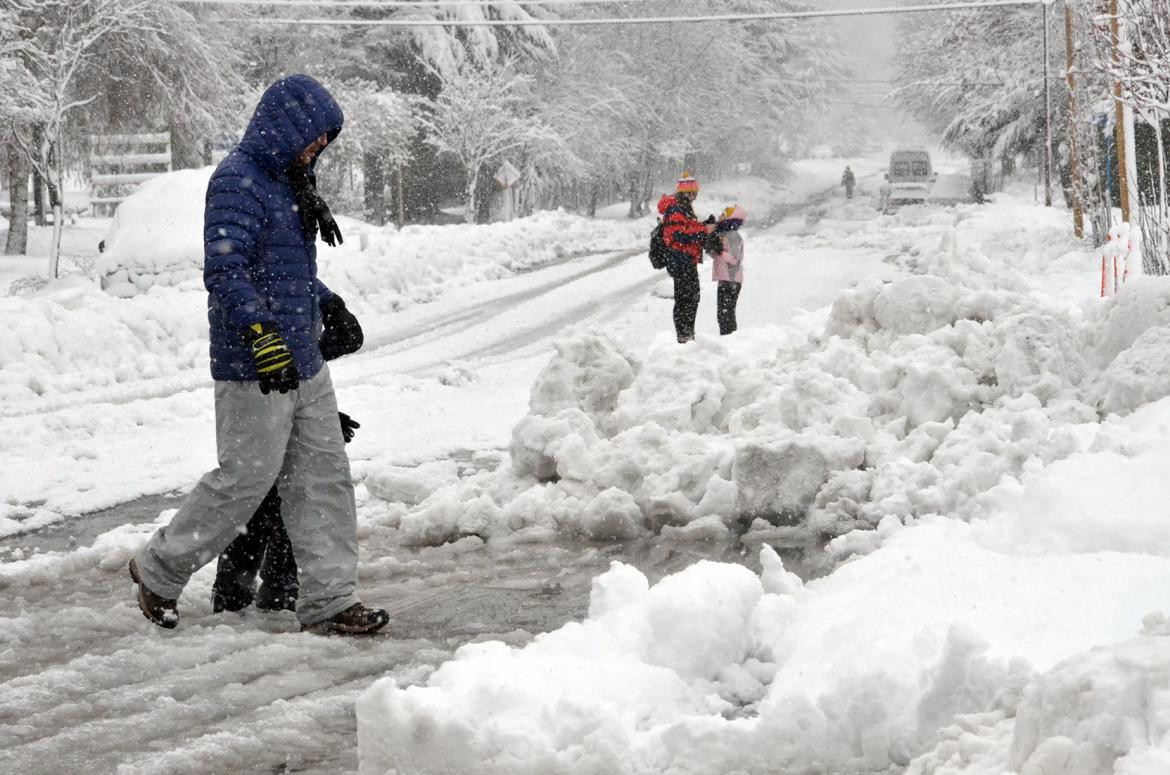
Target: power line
[(391, 4), (977, 4), (888, 82)]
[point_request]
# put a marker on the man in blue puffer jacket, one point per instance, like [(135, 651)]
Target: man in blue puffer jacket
[(275, 410)]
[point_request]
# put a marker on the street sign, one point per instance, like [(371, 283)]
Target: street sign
[(507, 176)]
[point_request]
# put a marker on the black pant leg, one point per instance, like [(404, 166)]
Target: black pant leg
[(235, 573), (728, 296), (279, 572), (686, 298)]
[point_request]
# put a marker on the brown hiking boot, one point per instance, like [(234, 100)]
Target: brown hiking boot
[(159, 610), (355, 620)]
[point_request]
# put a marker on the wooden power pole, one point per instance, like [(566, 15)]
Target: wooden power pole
[(1047, 113), (1073, 162), (1119, 111)]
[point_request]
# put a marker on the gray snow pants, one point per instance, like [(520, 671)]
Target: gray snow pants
[(297, 438)]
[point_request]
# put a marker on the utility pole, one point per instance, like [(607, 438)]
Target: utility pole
[(1047, 113), (1073, 161), (1119, 112)]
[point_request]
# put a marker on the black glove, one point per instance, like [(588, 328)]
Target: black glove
[(275, 367), (349, 426), (330, 231), (710, 219), (343, 334)]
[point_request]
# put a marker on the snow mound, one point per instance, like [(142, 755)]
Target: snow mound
[(156, 239), (915, 305), (1103, 712), (975, 647), (1142, 303), (156, 236), (644, 654), (915, 398), (410, 485), (715, 669), (151, 322), (1138, 375), (1095, 711)]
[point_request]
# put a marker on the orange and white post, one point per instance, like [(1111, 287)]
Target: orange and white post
[(1115, 258)]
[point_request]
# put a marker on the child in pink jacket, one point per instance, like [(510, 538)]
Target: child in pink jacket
[(727, 266)]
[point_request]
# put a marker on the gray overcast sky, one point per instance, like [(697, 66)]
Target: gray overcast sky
[(869, 37)]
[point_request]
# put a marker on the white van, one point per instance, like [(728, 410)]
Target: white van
[(911, 177)]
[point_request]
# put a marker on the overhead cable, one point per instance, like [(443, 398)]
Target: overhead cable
[(731, 17)]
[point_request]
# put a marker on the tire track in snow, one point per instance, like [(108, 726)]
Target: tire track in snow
[(447, 324)]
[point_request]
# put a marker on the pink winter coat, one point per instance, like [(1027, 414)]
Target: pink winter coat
[(727, 267)]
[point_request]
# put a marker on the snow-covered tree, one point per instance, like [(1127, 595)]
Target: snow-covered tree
[(60, 40), (480, 117), (23, 106), (110, 65), (693, 92), (1140, 64), (591, 108), (380, 125), (447, 49), (976, 77), (403, 61), (177, 72)]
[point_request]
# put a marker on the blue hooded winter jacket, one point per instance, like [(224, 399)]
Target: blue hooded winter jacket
[(258, 267)]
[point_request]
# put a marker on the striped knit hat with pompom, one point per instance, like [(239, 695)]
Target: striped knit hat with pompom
[(687, 185)]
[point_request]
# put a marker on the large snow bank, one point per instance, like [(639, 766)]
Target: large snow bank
[(909, 398), (156, 236), (716, 670), (1106, 711), (156, 239), (980, 647), (1002, 641), (70, 335)]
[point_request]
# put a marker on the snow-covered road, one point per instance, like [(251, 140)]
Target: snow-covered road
[(87, 685)]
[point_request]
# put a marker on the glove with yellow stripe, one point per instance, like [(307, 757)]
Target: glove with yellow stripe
[(275, 366)]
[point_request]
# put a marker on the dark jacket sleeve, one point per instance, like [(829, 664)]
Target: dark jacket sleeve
[(323, 292), (232, 222)]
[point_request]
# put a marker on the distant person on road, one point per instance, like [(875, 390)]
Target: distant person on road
[(884, 193), (275, 410), (849, 181), (684, 235), (726, 251)]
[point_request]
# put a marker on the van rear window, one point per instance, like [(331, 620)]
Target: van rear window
[(921, 168), (901, 169)]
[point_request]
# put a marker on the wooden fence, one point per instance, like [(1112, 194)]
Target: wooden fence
[(120, 162)]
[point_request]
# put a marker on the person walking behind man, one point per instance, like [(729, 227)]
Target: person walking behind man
[(684, 235), (848, 181), (727, 266), (275, 410)]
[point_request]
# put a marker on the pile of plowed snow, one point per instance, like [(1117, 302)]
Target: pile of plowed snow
[(912, 398)]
